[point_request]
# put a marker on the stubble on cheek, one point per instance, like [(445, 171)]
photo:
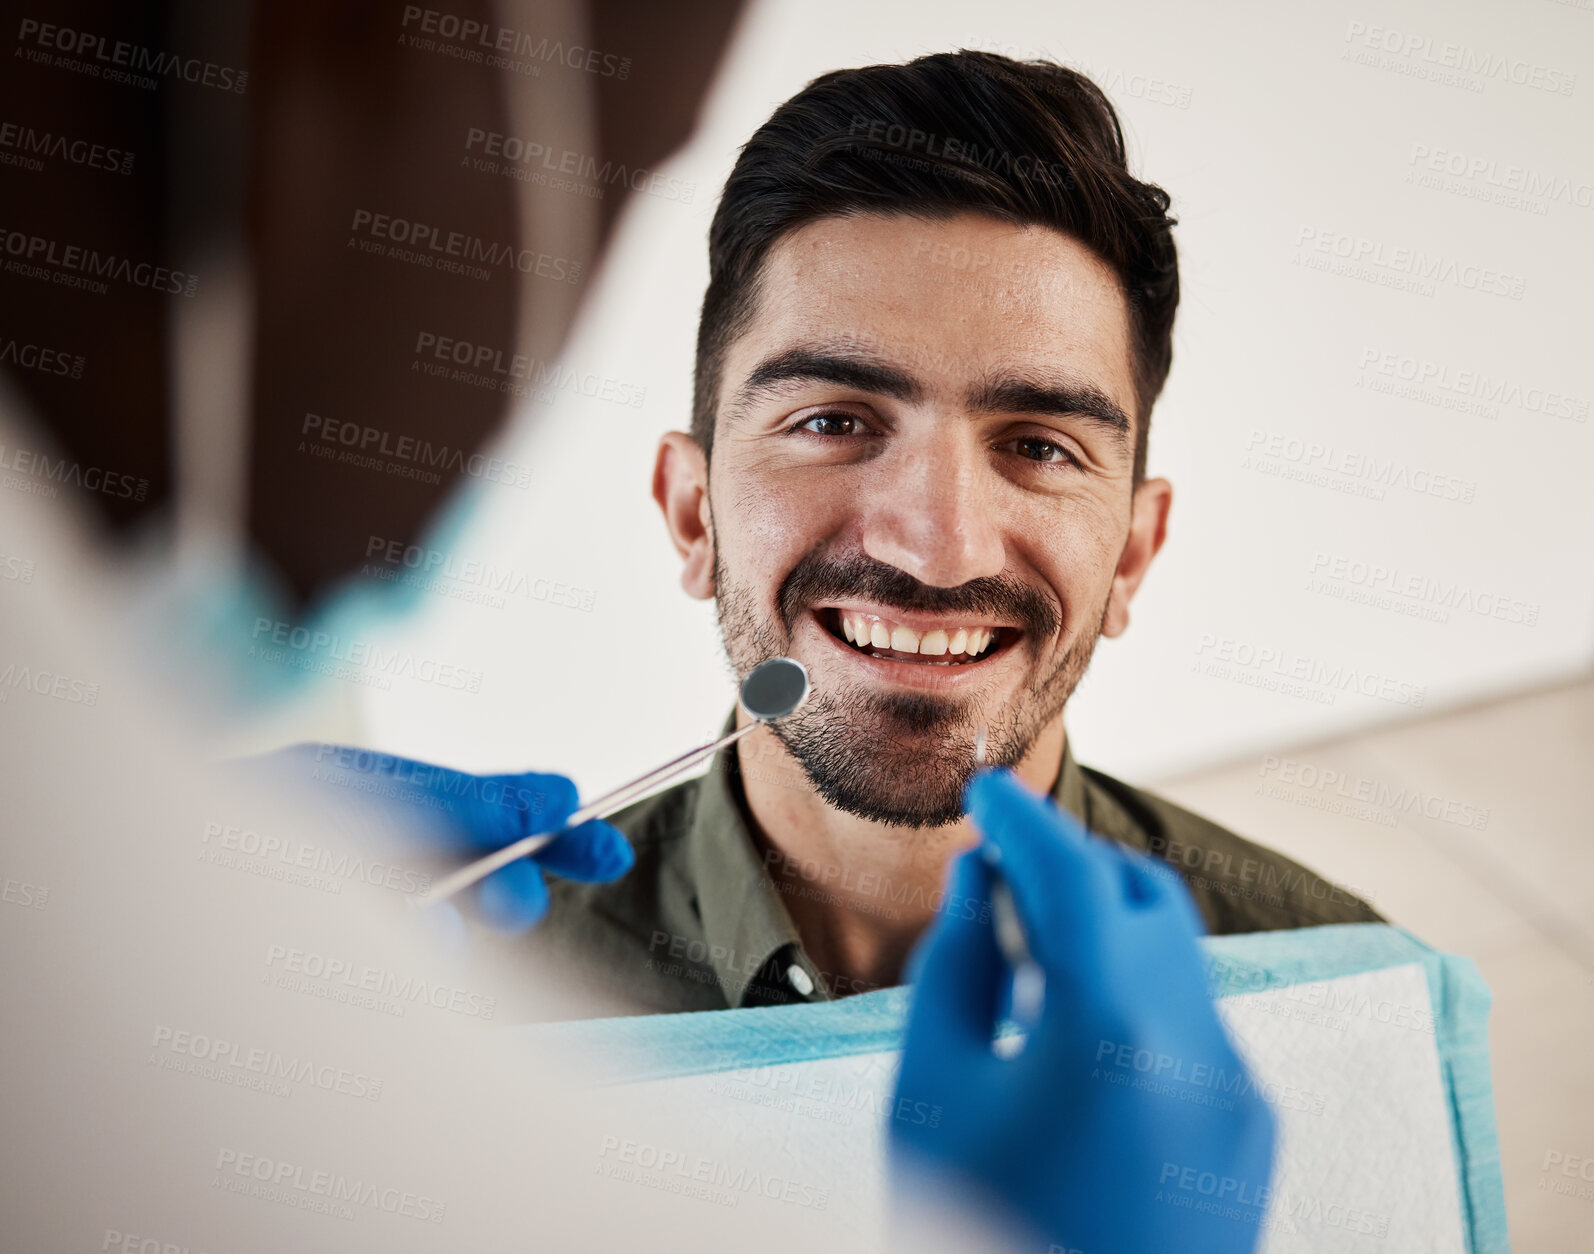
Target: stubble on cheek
[(748, 635)]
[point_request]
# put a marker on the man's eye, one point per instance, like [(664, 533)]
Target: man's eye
[(1036, 449), (830, 424)]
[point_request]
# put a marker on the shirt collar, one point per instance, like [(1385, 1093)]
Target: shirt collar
[(1068, 791), (745, 923)]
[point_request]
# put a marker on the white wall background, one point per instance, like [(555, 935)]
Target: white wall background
[(1272, 130)]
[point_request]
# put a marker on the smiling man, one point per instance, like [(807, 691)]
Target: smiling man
[(939, 313)]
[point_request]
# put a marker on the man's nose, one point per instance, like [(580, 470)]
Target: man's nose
[(933, 517)]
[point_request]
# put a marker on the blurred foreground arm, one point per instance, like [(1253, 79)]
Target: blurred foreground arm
[(1103, 1134), (475, 814)]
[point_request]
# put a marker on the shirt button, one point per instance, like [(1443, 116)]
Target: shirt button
[(800, 980)]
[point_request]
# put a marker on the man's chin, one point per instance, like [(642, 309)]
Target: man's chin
[(920, 804), (905, 764)]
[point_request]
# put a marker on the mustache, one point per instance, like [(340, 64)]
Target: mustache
[(821, 577)]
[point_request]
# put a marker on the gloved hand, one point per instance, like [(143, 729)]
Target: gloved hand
[(473, 815), (1127, 1124)]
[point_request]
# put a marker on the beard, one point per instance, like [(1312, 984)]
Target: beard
[(899, 758)]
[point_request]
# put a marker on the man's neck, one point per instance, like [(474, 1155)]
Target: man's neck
[(860, 893)]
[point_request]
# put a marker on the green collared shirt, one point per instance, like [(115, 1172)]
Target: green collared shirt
[(699, 923)]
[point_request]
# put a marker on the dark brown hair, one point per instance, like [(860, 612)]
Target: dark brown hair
[(1029, 142)]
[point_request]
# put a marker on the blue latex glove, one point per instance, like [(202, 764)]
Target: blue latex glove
[(1122, 1126), (474, 814)]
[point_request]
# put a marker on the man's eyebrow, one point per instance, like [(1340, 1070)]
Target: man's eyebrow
[(1056, 397), (812, 365), (1013, 394)]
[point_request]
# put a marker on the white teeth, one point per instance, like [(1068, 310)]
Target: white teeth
[(904, 640), (868, 632)]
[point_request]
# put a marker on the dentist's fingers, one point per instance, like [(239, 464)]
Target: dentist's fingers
[(493, 810), (958, 974), (514, 898), (594, 853), (1065, 886)]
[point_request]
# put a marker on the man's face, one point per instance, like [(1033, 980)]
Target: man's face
[(921, 488)]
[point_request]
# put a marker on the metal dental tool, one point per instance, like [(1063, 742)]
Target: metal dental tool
[(1029, 980), (771, 691)]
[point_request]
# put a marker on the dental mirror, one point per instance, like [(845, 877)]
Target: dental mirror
[(772, 691)]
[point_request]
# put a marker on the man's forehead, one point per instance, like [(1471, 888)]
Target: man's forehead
[(949, 299)]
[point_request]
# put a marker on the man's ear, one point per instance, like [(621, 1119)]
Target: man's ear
[(680, 486), (1148, 528)]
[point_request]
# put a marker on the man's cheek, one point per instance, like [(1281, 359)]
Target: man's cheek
[(763, 539)]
